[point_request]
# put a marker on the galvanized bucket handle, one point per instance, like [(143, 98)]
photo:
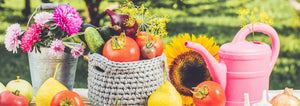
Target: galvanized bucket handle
[(46, 6)]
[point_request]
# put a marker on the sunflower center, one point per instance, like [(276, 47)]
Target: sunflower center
[(187, 71), (191, 72)]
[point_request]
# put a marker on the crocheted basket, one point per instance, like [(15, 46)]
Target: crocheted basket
[(130, 82)]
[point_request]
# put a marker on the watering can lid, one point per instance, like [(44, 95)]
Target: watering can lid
[(245, 50)]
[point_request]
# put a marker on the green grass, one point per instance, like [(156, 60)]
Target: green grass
[(214, 18)]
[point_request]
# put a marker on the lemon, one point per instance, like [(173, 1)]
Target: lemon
[(48, 90), (165, 95)]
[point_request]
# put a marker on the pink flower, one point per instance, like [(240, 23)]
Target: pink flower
[(31, 36), (11, 38), (77, 51), (57, 48), (68, 19), (41, 18)]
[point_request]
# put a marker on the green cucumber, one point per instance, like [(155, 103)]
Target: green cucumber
[(93, 40), (106, 32)]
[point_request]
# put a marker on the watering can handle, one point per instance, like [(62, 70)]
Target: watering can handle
[(266, 29)]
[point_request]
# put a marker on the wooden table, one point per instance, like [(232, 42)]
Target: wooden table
[(83, 93)]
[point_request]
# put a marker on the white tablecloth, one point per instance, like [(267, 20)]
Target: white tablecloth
[(272, 93)]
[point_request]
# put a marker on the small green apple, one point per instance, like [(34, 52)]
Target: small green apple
[(2, 88), (23, 86)]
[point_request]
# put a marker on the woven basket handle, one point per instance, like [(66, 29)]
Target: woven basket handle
[(98, 68), (95, 66)]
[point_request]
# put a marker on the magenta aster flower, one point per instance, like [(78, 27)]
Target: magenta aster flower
[(68, 19), (11, 38), (77, 51), (57, 48), (31, 36), (41, 18)]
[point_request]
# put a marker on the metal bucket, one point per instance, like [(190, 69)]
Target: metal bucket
[(42, 66)]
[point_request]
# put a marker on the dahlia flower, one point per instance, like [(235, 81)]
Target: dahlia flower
[(30, 37), (41, 18), (77, 51), (56, 48), (11, 38), (68, 19)]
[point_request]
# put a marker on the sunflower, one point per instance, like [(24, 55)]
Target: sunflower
[(187, 67)]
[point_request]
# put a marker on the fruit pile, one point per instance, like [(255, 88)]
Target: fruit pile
[(129, 38), (19, 92)]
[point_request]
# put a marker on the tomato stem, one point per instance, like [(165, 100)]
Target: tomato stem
[(67, 102), (200, 93), (118, 43), (149, 44)]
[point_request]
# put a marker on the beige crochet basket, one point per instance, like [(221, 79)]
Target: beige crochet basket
[(130, 82)]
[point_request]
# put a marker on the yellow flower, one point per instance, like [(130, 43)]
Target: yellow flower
[(187, 68), (253, 17), (242, 13), (264, 18), (154, 24)]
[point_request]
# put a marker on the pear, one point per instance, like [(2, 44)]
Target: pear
[(23, 86), (2, 88), (48, 90), (165, 95)]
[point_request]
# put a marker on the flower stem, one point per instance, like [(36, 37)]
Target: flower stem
[(69, 46), (57, 66), (164, 63)]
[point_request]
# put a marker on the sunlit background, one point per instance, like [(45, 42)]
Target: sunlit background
[(214, 18)]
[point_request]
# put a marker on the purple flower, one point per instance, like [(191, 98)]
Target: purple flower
[(11, 38), (57, 48), (31, 36), (77, 51), (41, 18), (68, 19)]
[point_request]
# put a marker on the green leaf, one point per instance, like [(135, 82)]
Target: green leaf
[(51, 19), (50, 22), (54, 27)]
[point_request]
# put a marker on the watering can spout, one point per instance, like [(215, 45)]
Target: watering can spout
[(217, 70)]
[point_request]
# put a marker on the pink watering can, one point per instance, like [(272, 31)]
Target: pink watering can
[(243, 67)]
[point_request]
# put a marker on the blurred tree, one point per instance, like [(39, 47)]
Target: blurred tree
[(46, 1), (180, 4), (1, 2), (26, 11), (92, 11)]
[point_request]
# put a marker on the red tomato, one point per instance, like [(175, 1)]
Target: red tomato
[(159, 47), (213, 95), (129, 52), (148, 52), (71, 95), (142, 38), (8, 98)]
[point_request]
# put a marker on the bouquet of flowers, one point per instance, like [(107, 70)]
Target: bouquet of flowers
[(48, 30)]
